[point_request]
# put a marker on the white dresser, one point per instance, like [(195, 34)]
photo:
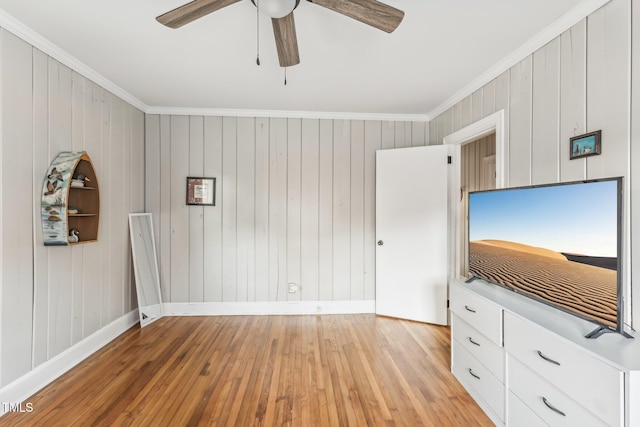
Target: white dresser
[(527, 364)]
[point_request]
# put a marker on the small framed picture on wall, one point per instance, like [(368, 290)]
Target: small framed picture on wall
[(201, 191), (589, 144)]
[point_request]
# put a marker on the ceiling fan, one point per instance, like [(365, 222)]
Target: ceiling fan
[(370, 12)]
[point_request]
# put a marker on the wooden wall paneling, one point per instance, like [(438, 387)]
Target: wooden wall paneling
[(489, 98), (93, 254), (310, 208), (294, 131), (77, 252), (2, 249), (17, 221), (466, 111), (325, 214), (464, 168), (163, 240), (400, 137), (418, 133), (41, 161), (573, 102), (545, 143), (520, 123), (196, 213), (472, 165), (456, 117), (278, 210), (341, 209), (447, 123), (433, 132), (245, 200), (130, 297), (59, 257), (262, 210), (229, 208), (608, 102), (212, 250), (501, 102), (439, 134), (477, 104), (408, 133), (116, 205), (608, 87), (357, 209), (427, 133), (137, 160), (634, 179), (179, 210), (152, 170), (372, 142), (388, 133), (106, 196)]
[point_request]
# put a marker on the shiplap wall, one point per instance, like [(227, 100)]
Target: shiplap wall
[(53, 297), (294, 203), (579, 82)]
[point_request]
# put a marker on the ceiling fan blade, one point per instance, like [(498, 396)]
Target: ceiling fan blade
[(284, 29), (370, 12), (184, 14)]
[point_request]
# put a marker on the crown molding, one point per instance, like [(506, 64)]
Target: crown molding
[(223, 112), (22, 31), (566, 21)]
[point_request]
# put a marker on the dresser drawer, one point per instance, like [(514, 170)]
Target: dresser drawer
[(472, 374), (485, 316), (520, 415), (547, 401), (484, 350), (589, 381)]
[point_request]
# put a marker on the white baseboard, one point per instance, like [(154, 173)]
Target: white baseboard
[(25, 386), (268, 308)]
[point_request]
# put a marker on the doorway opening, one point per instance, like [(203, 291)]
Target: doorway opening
[(479, 163)]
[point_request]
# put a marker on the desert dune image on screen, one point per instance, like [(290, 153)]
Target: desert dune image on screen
[(558, 244)]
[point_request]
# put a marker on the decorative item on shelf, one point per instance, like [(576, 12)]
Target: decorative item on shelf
[(589, 144), (80, 180), (74, 235), (70, 200)]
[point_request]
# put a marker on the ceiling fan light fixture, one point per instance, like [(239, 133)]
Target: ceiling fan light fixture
[(276, 8)]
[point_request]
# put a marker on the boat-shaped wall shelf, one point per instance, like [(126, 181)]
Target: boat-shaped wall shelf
[(70, 201)]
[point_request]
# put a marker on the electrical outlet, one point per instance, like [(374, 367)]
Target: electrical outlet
[(293, 288)]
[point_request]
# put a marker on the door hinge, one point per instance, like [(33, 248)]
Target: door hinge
[(448, 160), (447, 303)]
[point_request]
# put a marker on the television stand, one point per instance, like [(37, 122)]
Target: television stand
[(604, 330)]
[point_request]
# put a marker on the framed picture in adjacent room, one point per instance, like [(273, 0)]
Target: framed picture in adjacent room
[(201, 191), (589, 144)]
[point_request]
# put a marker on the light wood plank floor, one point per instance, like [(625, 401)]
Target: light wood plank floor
[(331, 370)]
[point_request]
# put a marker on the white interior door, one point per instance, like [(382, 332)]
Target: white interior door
[(411, 232)]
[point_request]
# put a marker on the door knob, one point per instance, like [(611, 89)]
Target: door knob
[(380, 243)]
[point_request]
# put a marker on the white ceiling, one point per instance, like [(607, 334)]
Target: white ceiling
[(346, 66)]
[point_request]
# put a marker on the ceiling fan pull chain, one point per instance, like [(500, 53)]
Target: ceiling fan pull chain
[(285, 76), (258, 32)]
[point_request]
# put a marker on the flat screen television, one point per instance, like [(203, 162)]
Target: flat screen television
[(560, 244)]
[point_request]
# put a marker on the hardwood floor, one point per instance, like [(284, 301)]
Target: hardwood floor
[(331, 370)]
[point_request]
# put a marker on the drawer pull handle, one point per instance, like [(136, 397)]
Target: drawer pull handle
[(547, 358), (553, 408), (473, 342), (472, 374), (469, 309)]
